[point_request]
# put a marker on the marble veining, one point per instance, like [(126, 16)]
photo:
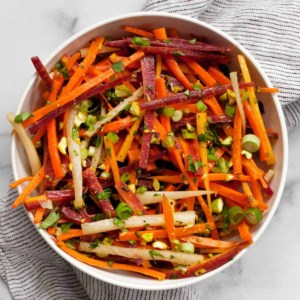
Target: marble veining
[(270, 269)]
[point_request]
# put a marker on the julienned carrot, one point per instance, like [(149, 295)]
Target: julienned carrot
[(36, 180), (248, 193), (118, 125), (53, 149), (129, 139), (41, 112), (176, 71), (168, 211), (267, 90), (232, 194), (160, 33), (110, 150), (256, 190), (159, 128), (108, 265), (85, 64), (203, 242), (254, 171), (244, 231), (39, 213), (218, 75), (162, 233), (51, 230), (201, 122), (20, 181), (169, 178), (237, 143), (138, 31), (266, 151), (38, 135), (203, 75), (227, 177), (72, 233)]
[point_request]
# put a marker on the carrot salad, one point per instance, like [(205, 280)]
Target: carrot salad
[(145, 154)]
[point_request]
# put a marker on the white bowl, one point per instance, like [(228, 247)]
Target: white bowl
[(114, 28)]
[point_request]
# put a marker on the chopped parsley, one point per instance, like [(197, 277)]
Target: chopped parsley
[(22, 117), (118, 66)]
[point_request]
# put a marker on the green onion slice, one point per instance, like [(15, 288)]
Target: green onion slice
[(123, 211), (250, 143), (253, 215), (235, 215)]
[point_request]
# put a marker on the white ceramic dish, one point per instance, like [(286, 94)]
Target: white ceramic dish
[(185, 26)]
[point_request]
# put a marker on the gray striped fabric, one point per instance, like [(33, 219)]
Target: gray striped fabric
[(270, 30)]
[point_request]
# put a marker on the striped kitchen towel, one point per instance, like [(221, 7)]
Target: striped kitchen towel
[(270, 30)]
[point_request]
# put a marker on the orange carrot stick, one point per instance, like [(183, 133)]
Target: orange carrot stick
[(169, 219), (85, 64), (205, 77), (53, 149), (218, 76), (110, 150), (103, 264), (38, 135), (118, 125), (160, 33), (39, 213), (36, 180), (41, 112), (138, 31), (20, 181), (232, 194), (51, 230), (177, 72), (244, 231), (237, 143), (70, 234)]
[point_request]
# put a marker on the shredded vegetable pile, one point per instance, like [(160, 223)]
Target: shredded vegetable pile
[(144, 155)]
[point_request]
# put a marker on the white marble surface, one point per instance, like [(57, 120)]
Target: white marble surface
[(270, 269)]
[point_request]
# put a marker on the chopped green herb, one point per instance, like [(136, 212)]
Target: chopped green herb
[(187, 92), (97, 217), (65, 227), (140, 41), (125, 177), (141, 190), (197, 87), (62, 68), (201, 106), (167, 41), (112, 137), (123, 211), (122, 91), (118, 66), (202, 138), (194, 165), (222, 165), (229, 110), (118, 222), (94, 244), (97, 141), (103, 195), (51, 219), (68, 244), (154, 253), (22, 117), (178, 53)]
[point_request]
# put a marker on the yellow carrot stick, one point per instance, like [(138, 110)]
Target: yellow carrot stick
[(201, 127), (266, 151)]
